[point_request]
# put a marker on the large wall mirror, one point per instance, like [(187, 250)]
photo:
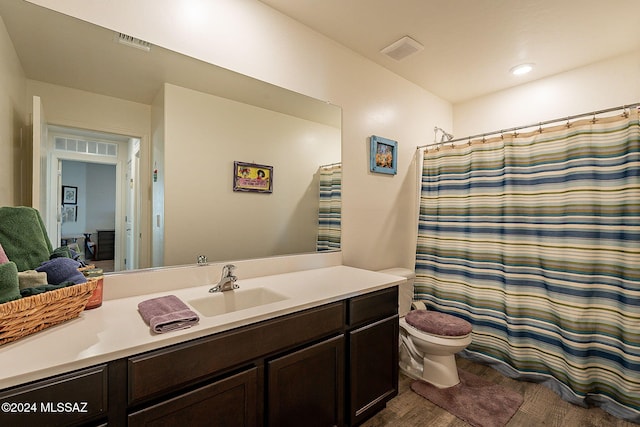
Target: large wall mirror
[(147, 139)]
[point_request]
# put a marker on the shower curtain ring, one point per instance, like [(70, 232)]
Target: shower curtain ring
[(594, 120), (469, 141), (568, 123), (540, 128)]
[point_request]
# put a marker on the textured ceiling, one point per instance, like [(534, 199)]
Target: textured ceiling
[(470, 45)]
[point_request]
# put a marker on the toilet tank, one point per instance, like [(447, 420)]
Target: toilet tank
[(405, 290)]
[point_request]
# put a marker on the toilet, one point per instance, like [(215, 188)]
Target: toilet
[(429, 340)]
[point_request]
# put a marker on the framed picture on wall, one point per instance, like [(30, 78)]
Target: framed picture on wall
[(252, 177), (383, 155), (69, 213), (69, 195)]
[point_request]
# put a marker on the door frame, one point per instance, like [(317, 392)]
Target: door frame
[(53, 191)]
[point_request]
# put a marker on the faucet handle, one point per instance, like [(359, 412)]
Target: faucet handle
[(202, 260), (228, 269)]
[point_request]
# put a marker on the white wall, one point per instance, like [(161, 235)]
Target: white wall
[(602, 85), (87, 110), (101, 196), (96, 196), (204, 135), (14, 161), (249, 37)]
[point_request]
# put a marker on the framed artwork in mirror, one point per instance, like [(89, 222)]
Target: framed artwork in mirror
[(69, 213), (69, 195), (383, 155), (252, 177)]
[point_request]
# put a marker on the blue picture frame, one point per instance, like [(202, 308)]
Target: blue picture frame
[(383, 155)]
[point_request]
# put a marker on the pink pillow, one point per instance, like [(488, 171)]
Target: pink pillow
[(3, 256)]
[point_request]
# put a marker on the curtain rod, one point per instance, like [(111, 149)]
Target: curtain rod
[(330, 164), (577, 116)]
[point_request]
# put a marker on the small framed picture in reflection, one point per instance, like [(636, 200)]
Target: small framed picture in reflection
[(252, 177), (69, 195), (384, 155), (69, 213)]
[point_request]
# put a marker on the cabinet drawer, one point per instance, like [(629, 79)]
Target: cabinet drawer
[(373, 306), (231, 401), (160, 371), (65, 400)]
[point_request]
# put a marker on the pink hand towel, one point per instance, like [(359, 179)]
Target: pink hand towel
[(168, 313), (3, 256)]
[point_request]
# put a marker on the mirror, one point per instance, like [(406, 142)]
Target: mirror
[(193, 120)]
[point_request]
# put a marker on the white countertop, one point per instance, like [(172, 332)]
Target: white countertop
[(116, 329)]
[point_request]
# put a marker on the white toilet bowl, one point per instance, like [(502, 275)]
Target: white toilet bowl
[(430, 357), (427, 352)]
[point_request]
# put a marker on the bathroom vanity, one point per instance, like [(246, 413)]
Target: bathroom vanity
[(329, 362)]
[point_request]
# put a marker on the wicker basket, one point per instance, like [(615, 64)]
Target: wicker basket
[(28, 315)]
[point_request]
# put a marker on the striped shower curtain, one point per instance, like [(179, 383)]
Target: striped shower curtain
[(330, 208), (535, 240)]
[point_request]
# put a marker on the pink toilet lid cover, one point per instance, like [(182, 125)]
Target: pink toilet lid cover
[(433, 322)]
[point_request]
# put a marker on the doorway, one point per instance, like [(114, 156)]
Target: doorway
[(90, 222), (100, 169)]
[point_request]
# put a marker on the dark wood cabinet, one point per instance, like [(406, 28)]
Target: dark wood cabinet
[(373, 353), (332, 365), (232, 401), (177, 367), (306, 387), (373, 368), (72, 399), (105, 244), (373, 306)]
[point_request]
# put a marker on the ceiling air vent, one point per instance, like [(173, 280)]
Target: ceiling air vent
[(133, 42), (402, 48)]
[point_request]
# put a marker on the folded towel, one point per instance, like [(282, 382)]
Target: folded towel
[(3, 256), (62, 270), (76, 256), (31, 278), (168, 313), (23, 236), (27, 292), (62, 251), (9, 289)]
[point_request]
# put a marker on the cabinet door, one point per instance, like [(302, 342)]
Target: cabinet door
[(232, 401), (373, 368), (65, 400), (306, 388)]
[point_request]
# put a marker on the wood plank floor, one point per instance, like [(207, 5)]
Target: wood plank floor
[(541, 407)]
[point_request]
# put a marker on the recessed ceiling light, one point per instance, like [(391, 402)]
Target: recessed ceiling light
[(521, 69)]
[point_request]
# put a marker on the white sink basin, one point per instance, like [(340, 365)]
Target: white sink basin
[(215, 304)]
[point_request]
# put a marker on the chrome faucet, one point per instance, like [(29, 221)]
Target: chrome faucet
[(227, 281)]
